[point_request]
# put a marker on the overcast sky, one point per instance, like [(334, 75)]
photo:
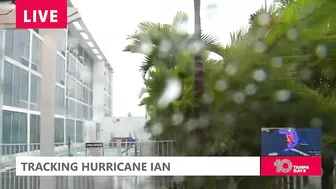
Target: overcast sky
[(109, 21)]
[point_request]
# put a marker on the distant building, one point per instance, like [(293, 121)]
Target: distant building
[(80, 69), (122, 126)]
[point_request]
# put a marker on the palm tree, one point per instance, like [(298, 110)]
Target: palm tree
[(198, 69), (162, 43)]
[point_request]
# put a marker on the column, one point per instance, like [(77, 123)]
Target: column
[(98, 94), (47, 102), (2, 56)]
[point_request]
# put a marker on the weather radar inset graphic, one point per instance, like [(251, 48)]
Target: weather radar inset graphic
[(291, 141)]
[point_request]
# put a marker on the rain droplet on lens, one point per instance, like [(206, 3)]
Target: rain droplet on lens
[(146, 47), (211, 9), (264, 18), (276, 62), (171, 92), (292, 34), (321, 51), (259, 47), (250, 89), (231, 69), (239, 97), (282, 95), (259, 75), (177, 118), (157, 129), (221, 85)]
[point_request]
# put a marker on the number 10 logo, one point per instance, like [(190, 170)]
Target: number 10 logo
[(279, 164)]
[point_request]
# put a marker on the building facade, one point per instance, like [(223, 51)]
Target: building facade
[(77, 57)]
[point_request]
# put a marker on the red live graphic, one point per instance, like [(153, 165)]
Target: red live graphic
[(291, 166), (41, 14)]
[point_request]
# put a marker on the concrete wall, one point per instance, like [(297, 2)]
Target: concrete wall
[(123, 127)]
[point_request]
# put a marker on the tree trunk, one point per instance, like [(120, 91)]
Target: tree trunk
[(198, 72)]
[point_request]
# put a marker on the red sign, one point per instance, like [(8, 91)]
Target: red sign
[(291, 166), (41, 14)]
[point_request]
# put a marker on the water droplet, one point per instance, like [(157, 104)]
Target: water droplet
[(157, 129), (264, 18), (231, 69), (276, 62), (292, 34), (259, 47), (165, 48), (239, 97), (207, 98), (191, 124), (259, 75), (196, 47), (282, 95), (177, 118), (250, 89), (171, 92), (181, 27), (221, 85), (321, 51), (211, 9), (146, 47)]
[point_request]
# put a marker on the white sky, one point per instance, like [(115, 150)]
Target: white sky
[(109, 21)]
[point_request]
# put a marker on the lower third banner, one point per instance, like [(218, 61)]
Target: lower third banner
[(291, 166)]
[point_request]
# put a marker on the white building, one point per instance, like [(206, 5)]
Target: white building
[(82, 86)]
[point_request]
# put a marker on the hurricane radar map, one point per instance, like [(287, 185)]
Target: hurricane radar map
[(291, 141)]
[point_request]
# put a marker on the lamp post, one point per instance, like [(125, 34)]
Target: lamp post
[(7, 21)]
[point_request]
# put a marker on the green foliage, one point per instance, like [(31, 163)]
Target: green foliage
[(274, 75)]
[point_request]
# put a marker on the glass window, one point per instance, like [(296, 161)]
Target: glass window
[(71, 65), (35, 92), (24, 85), (36, 53), (79, 110), (80, 55), (59, 100), (14, 127), (71, 108), (71, 87), (85, 112), (15, 86), (79, 131), (60, 69), (79, 71), (25, 45), (8, 72), (70, 130), (61, 41), (59, 130), (17, 45), (34, 129), (86, 95), (9, 43), (90, 98), (79, 91), (90, 113)]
